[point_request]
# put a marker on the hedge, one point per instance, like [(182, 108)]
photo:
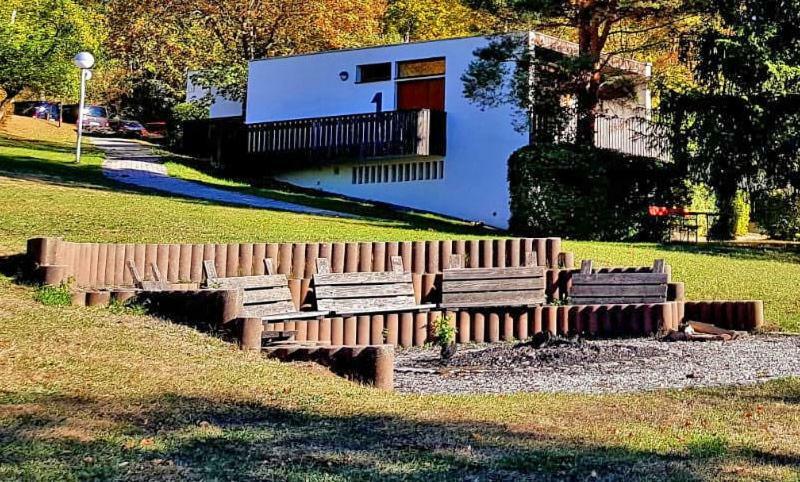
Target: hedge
[(590, 193)]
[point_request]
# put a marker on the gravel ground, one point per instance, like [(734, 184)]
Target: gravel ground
[(599, 366)]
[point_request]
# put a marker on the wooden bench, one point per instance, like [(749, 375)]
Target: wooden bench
[(493, 287), (264, 296), (364, 293), (591, 288)]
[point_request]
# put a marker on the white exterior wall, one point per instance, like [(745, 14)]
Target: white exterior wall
[(479, 143), (220, 106)]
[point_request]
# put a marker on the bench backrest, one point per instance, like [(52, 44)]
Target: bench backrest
[(349, 293), (590, 288), (478, 287), (262, 295)]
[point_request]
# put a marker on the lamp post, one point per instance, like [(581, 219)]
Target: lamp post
[(84, 61)]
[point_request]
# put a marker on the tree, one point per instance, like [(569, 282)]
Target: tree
[(740, 127), (37, 43), (247, 30), (585, 77), (412, 20)]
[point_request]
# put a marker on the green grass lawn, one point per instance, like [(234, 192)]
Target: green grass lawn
[(98, 393)]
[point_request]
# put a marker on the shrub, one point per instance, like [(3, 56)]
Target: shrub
[(778, 213), (53, 295), (589, 193), (444, 335)]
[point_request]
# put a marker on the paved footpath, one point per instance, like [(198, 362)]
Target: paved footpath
[(130, 162)]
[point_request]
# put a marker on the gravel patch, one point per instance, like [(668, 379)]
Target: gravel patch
[(599, 366)]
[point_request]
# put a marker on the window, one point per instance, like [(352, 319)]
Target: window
[(420, 68), (374, 72), (398, 172)]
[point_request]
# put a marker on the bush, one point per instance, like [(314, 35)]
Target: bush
[(590, 193), (778, 213)]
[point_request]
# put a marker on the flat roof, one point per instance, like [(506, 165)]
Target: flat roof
[(541, 40)]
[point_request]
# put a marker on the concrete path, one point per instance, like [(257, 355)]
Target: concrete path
[(130, 162)]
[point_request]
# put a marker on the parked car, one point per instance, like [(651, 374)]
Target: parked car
[(156, 130), (95, 118), (38, 109), (128, 128)]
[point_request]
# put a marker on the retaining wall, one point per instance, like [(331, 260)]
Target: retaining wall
[(102, 265)]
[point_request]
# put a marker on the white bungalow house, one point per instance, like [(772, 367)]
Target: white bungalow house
[(392, 124)]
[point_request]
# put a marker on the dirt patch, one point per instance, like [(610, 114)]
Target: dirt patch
[(561, 353)]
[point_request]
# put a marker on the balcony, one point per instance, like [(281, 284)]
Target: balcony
[(635, 134), (322, 140)]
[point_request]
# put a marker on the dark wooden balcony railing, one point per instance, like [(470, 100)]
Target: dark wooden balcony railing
[(349, 137)]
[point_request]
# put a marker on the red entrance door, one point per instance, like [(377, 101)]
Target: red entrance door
[(421, 94)]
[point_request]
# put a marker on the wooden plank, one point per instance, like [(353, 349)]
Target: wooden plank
[(619, 290), (356, 278), (369, 304), (136, 275), (586, 266), (323, 266), (262, 281), (258, 311), (620, 278), (297, 315), (492, 298), (266, 295), (397, 264), (364, 291), (492, 273), (210, 270), (530, 259), (614, 301), (512, 284)]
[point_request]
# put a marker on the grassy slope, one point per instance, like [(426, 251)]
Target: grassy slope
[(108, 394)]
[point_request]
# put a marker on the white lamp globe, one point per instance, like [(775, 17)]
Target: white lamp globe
[(83, 60)]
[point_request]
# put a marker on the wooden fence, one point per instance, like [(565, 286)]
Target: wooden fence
[(356, 136)]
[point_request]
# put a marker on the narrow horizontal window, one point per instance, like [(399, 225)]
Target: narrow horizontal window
[(374, 72)]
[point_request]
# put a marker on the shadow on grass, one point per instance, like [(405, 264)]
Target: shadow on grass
[(59, 147), (208, 439), (13, 265)]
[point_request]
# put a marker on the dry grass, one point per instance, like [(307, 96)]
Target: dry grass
[(30, 128)]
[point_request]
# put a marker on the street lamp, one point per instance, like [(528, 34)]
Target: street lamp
[(84, 61)]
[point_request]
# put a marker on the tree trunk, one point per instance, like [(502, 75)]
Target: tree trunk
[(589, 48), (10, 95), (724, 227)]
